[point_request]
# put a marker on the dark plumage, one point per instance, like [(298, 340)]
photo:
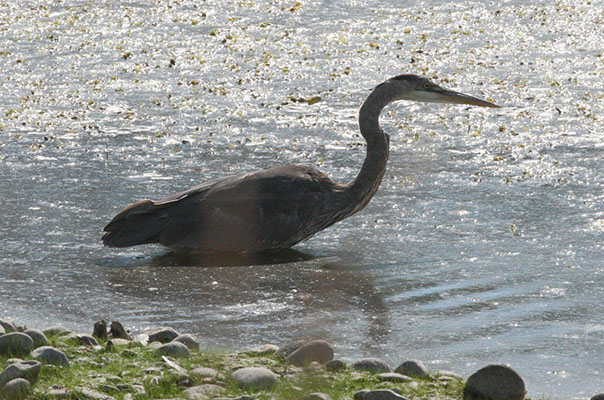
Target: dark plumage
[(276, 207)]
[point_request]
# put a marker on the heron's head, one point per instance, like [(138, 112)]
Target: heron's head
[(418, 88)]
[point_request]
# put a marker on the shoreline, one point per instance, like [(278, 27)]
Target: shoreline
[(110, 364)]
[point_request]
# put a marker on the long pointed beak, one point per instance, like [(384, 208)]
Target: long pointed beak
[(450, 96)]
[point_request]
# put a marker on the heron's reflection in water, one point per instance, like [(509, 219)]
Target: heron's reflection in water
[(244, 300)]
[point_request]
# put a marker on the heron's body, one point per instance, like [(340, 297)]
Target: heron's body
[(270, 208)]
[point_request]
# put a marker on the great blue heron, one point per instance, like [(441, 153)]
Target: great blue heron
[(277, 207)]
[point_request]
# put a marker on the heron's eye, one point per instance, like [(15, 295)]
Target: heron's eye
[(426, 85)]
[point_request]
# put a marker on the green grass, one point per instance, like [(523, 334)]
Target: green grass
[(126, 367)]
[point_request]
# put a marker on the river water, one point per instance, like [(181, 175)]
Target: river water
[(485, 242)]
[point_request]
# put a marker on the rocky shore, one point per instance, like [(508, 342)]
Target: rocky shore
[(162, 363)]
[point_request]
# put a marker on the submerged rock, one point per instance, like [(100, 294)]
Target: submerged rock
[(496, 382)]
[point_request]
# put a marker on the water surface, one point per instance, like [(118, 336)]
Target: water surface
[(484, 244)]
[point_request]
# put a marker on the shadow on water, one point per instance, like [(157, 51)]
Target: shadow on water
[(181, 259), (273, 297)]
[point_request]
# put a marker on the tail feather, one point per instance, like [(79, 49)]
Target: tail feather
[(139, 223)]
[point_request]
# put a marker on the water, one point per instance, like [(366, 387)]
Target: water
[(484, 243)]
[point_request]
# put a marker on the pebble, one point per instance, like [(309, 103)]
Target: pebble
[(7, 327), (317, 396), (316, 350), (335, 365), (371, 364), (204, 392), (381, 394), (56, 331), (254, 377), (163, 334), (89, 394), (119, 342), (87, 340), (15, 343), (394, 377), (50, 355), (413, 368), (16, 389), (174, 349), (264, 349), (37, 336), (21, 369), (497, 382), (188, 340), (204, 372)]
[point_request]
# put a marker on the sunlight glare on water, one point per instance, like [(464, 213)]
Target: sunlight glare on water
[(484, 243)]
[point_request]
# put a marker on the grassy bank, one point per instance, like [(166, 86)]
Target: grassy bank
[(135, 371)]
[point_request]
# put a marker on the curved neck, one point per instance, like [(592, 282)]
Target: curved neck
[(363, 187)]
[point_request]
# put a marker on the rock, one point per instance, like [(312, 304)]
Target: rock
[(254, 377), (496, 382), (203, 372), (118, 342), (290, 347), (599, 396), (313, 367), (37, 336), (413, 368), (317, 350), (89, 394), (264, 349), (203, 392), (59, 393), (117, 331), (2, 330), (382, 394), (188, 340), (15, 343), (16, 389), (56, 331), (87, 340), (50, 355), (100, 329), (335, 365), (393, 377), (173, 365), (371, 364), (448, 374), (317, 396), (28, 370), (174, 349), (8, 327), (163, 334)]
